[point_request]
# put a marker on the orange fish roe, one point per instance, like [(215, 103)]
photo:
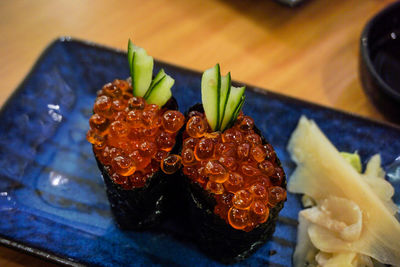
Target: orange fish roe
[(241, 173), (131, 138)]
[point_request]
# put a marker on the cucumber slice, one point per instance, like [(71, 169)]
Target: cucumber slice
[(161, 91), (233, 106), (141, 68), (155, 81), (210, 95), (131, 54), (236, 113), (224, 94)]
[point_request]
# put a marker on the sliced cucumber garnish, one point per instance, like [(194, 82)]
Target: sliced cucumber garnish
[(160, 93), (141, 69), (236, 112), (221, 101), (156, 91), (155, 81), (224, 94), (210, 95), (233, 106), (131, 54)]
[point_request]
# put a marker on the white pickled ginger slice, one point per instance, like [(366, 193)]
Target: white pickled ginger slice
[(373, 168), (304, 253), (345, 259), (374, 176), (384, 190), (322, 172), (338, 215)]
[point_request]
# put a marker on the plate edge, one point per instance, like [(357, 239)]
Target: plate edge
[(251, 87), (40, 253)]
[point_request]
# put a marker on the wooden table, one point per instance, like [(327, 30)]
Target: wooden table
[(309, 52)]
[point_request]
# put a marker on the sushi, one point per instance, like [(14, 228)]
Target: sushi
[(133, 129), (232, 179), (235, 183)]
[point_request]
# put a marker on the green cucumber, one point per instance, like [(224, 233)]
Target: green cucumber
[(155, 81), (233, 106), (224, 94), (236, 113), (161, 91), (131, 54), (141, 69), (210, 95)]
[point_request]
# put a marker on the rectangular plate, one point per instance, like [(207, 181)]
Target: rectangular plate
[(52, 199)]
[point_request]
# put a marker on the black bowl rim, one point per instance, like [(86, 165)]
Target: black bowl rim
[(365, 49)]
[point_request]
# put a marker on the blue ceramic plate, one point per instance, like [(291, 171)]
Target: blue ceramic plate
[(52, 199)]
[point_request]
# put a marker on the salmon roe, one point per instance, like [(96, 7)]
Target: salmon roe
[(130, 137), (240, 172)]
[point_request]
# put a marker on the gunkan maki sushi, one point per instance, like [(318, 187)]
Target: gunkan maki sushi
[(133, 129), (236, 185)]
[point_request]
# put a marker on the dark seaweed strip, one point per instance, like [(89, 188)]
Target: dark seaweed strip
[(213, 235), (141, 208)]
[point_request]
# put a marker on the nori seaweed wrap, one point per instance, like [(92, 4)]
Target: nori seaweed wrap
[(235, 184), (141, 205), (133, 128), (214, 235)]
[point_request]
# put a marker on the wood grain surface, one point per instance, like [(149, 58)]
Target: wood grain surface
[(309, 52)]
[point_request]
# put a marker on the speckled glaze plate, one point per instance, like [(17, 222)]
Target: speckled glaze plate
[(52, 199)]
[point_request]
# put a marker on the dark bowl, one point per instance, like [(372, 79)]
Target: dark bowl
[(374, 45)]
